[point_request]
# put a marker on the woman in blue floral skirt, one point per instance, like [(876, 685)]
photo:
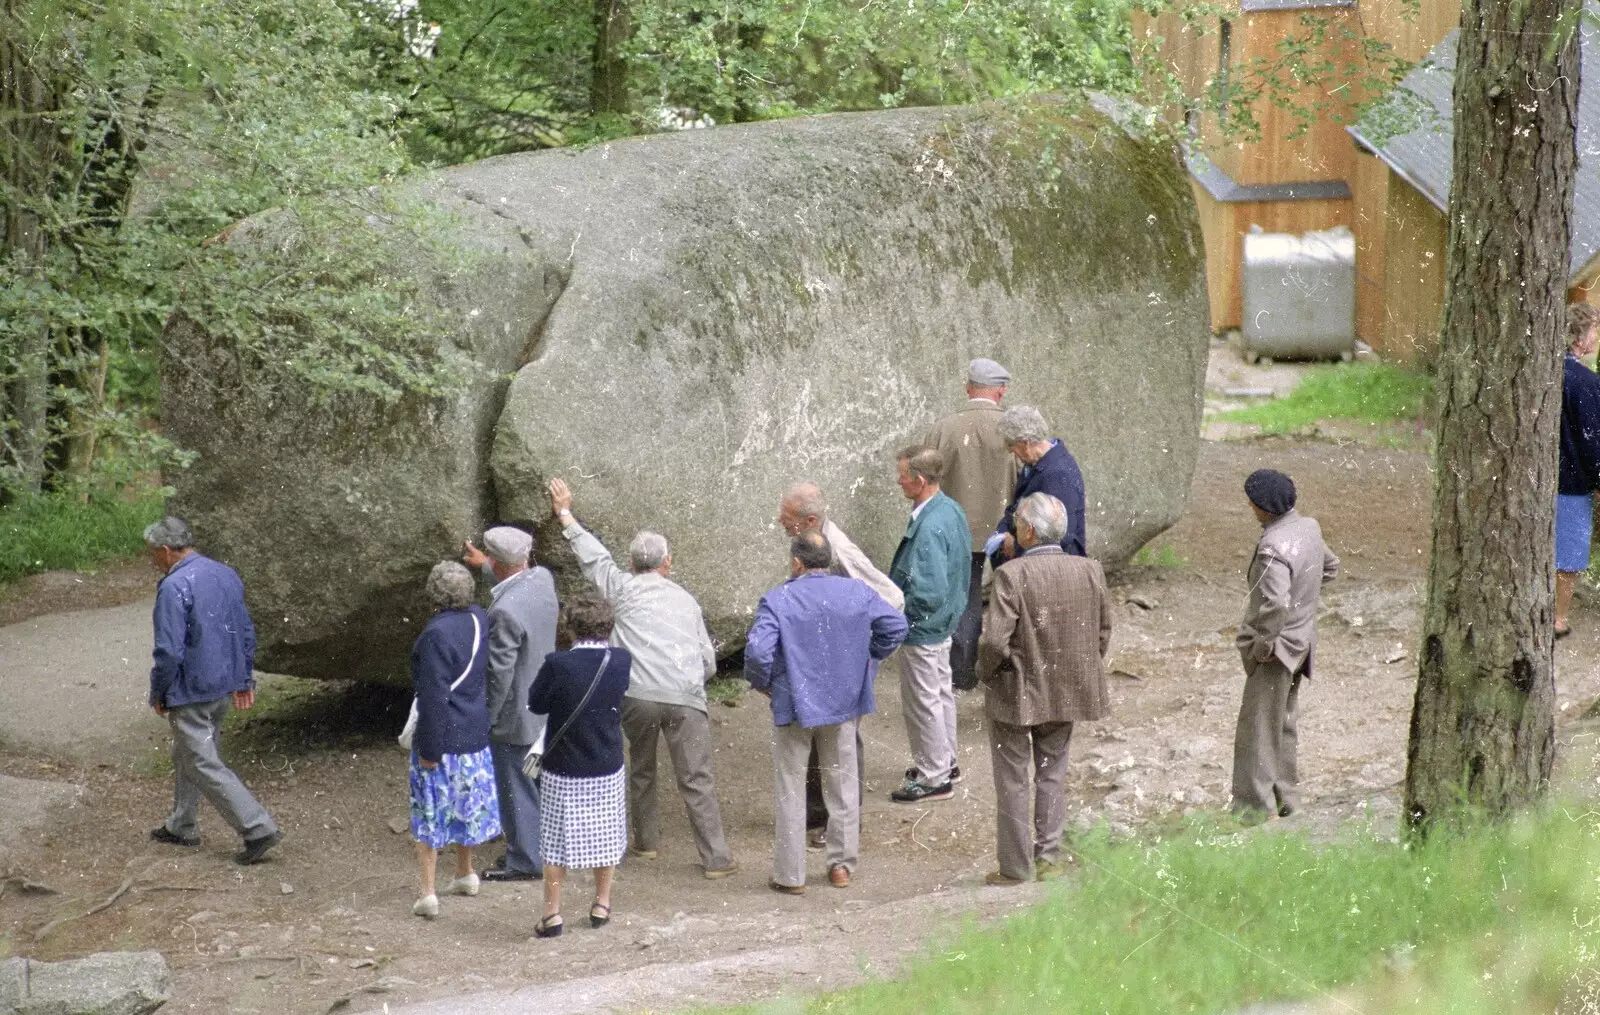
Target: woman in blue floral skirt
[(453, 796)]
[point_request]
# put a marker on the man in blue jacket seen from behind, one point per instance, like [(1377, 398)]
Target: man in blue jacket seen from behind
[(205, 647), (933, 567), (814, 650)]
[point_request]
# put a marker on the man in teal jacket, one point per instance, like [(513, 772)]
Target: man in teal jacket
[(933, 567)]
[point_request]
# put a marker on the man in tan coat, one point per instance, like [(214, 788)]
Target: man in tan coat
[(1276, 641), (980, 474), (1041, 660)]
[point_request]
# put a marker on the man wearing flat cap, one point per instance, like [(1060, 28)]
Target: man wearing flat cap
[(522, 631), (1276, 641), (979, 474)]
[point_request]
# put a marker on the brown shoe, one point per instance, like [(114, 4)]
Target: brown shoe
[(839, 876), (786, 889), (1000, 879)]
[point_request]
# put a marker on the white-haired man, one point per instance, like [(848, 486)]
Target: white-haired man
[(1041, 659), (662, 627)]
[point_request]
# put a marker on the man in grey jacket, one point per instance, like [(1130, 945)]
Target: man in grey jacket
[(1276, 641), (522, 631), (661, 626)]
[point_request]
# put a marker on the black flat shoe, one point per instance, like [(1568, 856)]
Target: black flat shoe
[(545, 928), (599, 921), (255, 850), (163, 835), (1562, 632), (503, 874)]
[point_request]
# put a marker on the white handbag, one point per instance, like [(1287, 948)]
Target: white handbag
[(410, 731)]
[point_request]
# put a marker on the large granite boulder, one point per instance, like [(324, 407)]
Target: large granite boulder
[(716, 314)]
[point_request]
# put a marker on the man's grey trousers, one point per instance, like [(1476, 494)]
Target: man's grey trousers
[(688, 734), (1019, 752), (1265, 743), (519, 807), (836, 755), (929, 702), (198, 771)]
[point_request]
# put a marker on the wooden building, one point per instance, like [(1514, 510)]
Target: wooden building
[(1302, 173), (1409, 135)]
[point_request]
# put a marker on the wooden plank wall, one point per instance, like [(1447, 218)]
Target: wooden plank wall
[(1415, 235), (1370, 188)]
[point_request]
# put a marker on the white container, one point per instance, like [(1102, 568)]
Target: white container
[(1300, 295)]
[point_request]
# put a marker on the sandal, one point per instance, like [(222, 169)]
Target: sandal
[(599, 921), (546, 928)]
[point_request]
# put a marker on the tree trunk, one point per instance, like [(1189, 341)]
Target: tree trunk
[(608, 86), (29, 150), (1483, 723)]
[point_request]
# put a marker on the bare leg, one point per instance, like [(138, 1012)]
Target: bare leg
[(602, 886), (552, 889), (1566, 581), (426, 857), (463, 861)]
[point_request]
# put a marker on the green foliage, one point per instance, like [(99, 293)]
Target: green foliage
[(66, 530), (1501, 920), (726, 690), (1164, 556), (1363, 392)]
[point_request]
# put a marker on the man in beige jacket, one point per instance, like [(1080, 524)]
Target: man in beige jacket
[(1276, 641), (804, 509), (1041, 659), (980, 474)]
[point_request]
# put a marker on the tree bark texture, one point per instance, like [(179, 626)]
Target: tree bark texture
[(30, 148), (1482, 726), (608, 87)]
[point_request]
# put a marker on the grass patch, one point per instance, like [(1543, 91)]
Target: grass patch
[(1165, 555), (726, 690), (1501, 920), (60, 531), (1363, 392)]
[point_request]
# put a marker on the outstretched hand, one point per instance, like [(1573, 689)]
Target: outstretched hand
[(473, 557), (560, 496)]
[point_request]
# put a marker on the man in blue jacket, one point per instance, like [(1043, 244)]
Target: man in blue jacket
[(933, 567), (814, 650), (1047, 467), (205, 647)]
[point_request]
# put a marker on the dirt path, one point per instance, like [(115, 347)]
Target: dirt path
[(327, 920)]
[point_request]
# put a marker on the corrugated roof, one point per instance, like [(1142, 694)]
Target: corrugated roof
[(1412, 132), (1223, 187)]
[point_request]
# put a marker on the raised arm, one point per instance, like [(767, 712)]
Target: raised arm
[(593, 557)]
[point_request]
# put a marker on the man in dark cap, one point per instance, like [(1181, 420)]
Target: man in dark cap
[(1276, 641)]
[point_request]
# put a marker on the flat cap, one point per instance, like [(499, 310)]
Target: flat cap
[(508, 545), (1271, 491), (986, 373)]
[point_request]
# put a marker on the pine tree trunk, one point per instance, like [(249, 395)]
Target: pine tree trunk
[(29, 149), (1483, 723), (608, 84)]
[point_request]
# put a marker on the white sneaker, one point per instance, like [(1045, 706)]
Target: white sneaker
[(465, 886), (426, 907)]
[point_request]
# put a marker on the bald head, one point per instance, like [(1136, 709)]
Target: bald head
[(802, 509)]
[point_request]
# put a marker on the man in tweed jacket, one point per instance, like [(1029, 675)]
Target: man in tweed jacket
[(1041, 660)]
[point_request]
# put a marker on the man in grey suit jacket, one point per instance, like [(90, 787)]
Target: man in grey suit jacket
[(522, 631), (1276, 641)]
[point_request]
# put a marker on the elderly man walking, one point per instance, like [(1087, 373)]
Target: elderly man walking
[(1277, 639), (1041, 660), (803, 509), (932, 567), (522, 631), (205, 648), (814, 650), (661, 626), (979, 474), (1047, 467)]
